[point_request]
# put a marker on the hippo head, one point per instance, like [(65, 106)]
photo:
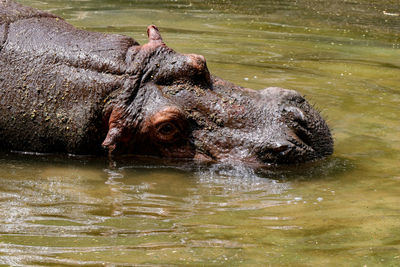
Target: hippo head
[(171, 107)]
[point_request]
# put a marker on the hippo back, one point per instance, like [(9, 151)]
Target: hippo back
[(55, 80)]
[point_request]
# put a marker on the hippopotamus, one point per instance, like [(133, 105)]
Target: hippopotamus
[(67, 90)]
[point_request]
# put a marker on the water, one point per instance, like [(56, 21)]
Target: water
[(342, 211)]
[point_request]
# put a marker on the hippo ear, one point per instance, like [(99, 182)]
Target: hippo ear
[(154, 34)]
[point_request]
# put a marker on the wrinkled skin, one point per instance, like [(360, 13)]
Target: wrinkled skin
[(67, 90)]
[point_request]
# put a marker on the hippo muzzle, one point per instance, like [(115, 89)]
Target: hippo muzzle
[(271, 126), (300, 135)]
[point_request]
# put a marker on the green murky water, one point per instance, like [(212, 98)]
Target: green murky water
[(344, 55)]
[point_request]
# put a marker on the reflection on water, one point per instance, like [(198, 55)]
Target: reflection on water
[(343, 55), (74, 211), (53, 211)]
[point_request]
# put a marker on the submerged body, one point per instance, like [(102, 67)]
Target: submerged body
[(67, 90)]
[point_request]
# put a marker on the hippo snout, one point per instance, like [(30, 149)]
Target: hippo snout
[(300, 133)]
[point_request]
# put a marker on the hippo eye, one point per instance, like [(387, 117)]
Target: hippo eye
[(167, 125), (167, 128), (167, 131)]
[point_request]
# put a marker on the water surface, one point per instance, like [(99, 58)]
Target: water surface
[(344, 55)]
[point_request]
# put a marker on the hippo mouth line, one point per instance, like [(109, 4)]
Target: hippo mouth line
[(293, 150)]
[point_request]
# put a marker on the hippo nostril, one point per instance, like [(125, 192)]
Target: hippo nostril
[(298, 123), (296, 114)]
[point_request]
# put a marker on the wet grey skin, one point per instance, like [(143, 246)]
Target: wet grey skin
[(65, 90)]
